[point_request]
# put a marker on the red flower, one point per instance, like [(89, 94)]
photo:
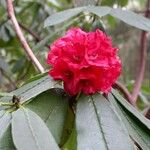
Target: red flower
[(86, 62)]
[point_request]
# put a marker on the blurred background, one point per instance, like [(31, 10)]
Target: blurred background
[(15, 68)]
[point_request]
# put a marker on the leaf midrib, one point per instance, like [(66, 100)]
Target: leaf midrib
[(99, 123), (31, 129)]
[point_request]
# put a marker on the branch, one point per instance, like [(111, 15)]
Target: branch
[(21, 37), (37, 38), (147, 115), (143, 50), (30, 31), (124, 91)]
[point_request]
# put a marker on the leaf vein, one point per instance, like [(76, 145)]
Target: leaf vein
[(99, 123), (31, 129)]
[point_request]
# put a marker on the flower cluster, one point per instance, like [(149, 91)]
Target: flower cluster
[(86, 62)]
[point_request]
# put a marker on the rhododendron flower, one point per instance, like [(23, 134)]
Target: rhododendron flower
[(85, 62)]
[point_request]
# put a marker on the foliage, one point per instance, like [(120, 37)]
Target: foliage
[(38, 114), (99, 123)]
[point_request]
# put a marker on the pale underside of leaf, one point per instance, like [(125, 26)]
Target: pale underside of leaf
[(32, 89), (52, 108), (126, 16), (6, 142), (62, 16), (98, 127), (131, 18), (4, 123), (30, 132)]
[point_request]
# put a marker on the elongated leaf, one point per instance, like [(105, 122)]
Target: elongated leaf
[(32, 89), (131, 109), (4, 123), (30, 132), (6, 142), (62, 16), (99, 11), (128, 17), (136, 127), (52, 108), (98, 127), (131, 18), (2, 94)]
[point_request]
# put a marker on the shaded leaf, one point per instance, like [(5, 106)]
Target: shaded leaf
[(52, 108), (3, 65), (69, 126), (30, 132), (135, 126), (131, 109), (123, 2), (71, 144), (98, 127), (6, 142)]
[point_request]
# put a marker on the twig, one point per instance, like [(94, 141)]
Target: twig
[(37, 38), (21, 37), (124, 91), (30, 31), (143, 50), (147, 115)]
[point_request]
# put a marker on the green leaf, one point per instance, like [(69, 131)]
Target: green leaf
[(99, 11), (131, 18), (72, 142), (137, 125), (62, 16), (31, 90), (5, 119), (131, 109), (107, 2), (123, 2), (30, 132), (6, 142), (69, 125), (98, 127), (52, 108)]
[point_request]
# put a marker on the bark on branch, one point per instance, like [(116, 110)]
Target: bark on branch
[(143, 54), (21, 37)]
